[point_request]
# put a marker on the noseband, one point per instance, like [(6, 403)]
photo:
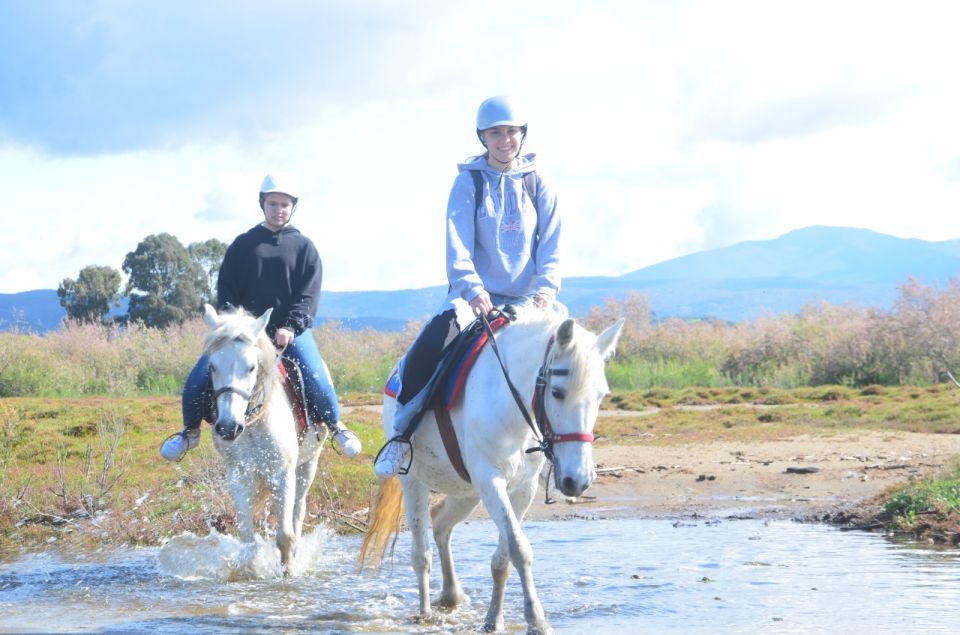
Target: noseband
[(252, 409)]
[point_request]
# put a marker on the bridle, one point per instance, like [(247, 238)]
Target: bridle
[(537, 404), (542, 429), (253, 408)]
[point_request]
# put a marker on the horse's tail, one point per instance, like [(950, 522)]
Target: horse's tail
[(386, 514)]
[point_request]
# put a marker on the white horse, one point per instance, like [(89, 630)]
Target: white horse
[(256, 432), (494, 438)]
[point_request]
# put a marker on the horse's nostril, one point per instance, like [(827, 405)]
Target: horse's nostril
[(228, 432)]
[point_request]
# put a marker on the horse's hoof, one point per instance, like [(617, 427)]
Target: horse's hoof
[(426, 618), (451, 601)]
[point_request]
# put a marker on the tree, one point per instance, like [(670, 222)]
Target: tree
[(209, 255), (90, 296), (165, 284)]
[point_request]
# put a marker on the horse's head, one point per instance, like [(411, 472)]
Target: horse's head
[(574, 385), (239, 354)]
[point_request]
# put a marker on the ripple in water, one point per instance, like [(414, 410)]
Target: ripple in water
[(609, 576)]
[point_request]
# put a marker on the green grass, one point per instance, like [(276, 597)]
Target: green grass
[(637, 374), (66, 460), (63, 460), (940, 498)]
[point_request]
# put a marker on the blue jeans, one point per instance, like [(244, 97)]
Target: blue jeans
[(317, 384)]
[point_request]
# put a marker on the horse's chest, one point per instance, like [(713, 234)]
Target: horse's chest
[(257, 451)]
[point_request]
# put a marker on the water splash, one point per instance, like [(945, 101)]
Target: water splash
[(221, 557)]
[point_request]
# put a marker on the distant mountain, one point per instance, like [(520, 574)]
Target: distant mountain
[(839, 265), (38, 310), (831, 255)]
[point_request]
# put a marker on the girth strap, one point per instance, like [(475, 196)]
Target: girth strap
[(449, 437)]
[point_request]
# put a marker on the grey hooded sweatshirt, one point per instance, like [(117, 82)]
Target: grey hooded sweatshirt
[(505, 247)]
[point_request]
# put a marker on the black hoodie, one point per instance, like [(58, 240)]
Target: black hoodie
[(264, 269)]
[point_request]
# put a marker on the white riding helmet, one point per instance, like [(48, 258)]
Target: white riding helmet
[(499, 111), (282, 185)]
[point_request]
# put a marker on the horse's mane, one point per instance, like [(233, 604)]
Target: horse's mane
[(583, 362), (238, 325)]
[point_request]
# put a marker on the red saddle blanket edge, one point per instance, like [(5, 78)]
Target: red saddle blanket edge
[(299, 414), (454, 383)]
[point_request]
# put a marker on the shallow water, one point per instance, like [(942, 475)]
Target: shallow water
[(596, 576)]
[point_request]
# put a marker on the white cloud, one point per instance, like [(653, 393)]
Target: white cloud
[(667, 127)]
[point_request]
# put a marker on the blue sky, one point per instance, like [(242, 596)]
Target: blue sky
[(667, 127)]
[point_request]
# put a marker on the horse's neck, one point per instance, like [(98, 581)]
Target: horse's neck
[(522, 347), (269, 385)]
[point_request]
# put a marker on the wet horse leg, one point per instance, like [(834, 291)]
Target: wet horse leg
[(306, 472), (416, 500), (284, 491), (499, 571), (520, 500), (242, 488), (444, 516), (514, 543)]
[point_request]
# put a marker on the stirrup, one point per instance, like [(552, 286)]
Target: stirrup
[(403, 469)]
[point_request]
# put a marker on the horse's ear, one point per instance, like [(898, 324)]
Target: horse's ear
[(565, 333), (261, 324), (210, 316), (607, 341)]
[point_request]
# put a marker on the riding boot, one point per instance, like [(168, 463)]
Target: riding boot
[(348, 442), (176, 445), (396, 455)]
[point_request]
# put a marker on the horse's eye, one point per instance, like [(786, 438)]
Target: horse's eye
[(213, 368), (558, 393), (251, 368)]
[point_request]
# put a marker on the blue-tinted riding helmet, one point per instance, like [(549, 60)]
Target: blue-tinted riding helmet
[(499, 111)]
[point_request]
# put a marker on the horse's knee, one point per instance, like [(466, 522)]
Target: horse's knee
[(422, 561), (520, 551)]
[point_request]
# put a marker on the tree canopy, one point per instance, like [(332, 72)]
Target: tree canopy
[(89, 297), (209, 256), (166, 285)]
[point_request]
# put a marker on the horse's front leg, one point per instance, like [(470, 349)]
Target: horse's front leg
[(499, 571), (520, 500), (242, 488), (444, 516), (306, 472), (284, 491), (416, 500), (500, 507)]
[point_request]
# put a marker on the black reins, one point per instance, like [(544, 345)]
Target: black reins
[(541, 429)]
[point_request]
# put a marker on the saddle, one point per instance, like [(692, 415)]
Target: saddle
[(446, 384)]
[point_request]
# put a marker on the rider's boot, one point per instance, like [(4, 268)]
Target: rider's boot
[(397, 454), (176, 445), (395, 458), (348, 442)]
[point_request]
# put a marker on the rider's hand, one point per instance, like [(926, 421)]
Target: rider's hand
[(283, 337), (481, 304)]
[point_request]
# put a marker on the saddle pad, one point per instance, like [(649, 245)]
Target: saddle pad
[(453, 386), (457, 369), (392, 387)]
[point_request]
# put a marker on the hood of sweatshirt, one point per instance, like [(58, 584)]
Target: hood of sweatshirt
[(276, 237), (525, 163)]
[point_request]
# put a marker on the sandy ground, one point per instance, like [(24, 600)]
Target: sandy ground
[(801, 477)]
